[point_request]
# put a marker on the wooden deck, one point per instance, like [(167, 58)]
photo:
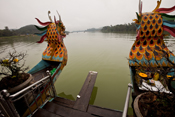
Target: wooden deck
[(61, 107)]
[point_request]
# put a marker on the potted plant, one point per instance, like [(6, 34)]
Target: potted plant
[(160, 101), (154, 104), (12, 72)]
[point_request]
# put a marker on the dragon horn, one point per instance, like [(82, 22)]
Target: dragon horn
[(140, 7), (158, 5), (59, 16), (49, 16), (55, 20)]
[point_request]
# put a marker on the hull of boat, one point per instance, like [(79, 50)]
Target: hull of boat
[(38, 72)]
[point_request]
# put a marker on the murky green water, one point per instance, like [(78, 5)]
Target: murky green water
[(105, 53)]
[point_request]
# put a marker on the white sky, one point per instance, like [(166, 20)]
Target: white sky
[(75, 14)]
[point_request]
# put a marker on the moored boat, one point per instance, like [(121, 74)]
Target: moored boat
[(54, 57), (149, 56)]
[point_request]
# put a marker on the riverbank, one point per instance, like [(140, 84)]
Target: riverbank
[(16, 36)]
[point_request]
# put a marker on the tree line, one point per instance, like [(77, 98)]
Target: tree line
[(29, 29), (6, 32), (130, 27), (26, 30)]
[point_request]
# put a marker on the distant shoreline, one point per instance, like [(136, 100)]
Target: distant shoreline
[(15, 36)]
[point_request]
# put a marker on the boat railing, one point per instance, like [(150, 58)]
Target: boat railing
[(30, 98), (125, 110)]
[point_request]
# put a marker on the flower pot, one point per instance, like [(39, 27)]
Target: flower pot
[(154, 104), (21, 86), (136, 106)]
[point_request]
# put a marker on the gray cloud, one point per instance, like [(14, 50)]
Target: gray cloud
[(75, 14)]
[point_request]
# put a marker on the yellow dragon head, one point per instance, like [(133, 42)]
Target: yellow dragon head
[(152, 24)]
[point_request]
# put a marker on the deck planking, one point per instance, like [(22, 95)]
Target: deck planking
[(103, 112), (61, 107), (43, 113)]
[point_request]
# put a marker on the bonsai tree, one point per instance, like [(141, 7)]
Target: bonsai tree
[(12, 68)]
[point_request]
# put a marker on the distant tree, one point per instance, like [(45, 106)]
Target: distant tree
[(6, 32), (6, 28)]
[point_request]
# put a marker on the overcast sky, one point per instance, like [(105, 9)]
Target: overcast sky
[(75, 14)]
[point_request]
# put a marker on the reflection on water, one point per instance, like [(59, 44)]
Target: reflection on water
[(105, 53), (69, 96), (93, 96)]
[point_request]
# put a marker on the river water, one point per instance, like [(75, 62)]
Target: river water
[(105, 53)]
